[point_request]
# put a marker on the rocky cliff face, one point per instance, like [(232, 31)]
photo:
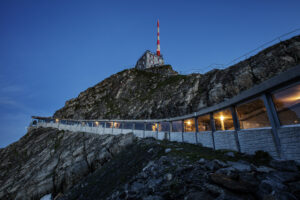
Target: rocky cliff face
[(47, 160), (161, 92), (165, 170)]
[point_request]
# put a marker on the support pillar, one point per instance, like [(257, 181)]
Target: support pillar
[(196, 129), (272, 115), (182, 130), (213, 129), (236, 127)]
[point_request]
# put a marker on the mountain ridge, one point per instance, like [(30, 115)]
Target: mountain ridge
[(160, 92)]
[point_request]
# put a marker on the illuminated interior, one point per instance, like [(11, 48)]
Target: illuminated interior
[(287, 104), (204, 123), (253, 114), (189, 125), (116, 124), (223, 120), (109, 124), (96, 123), (151, 126), (56, 120)]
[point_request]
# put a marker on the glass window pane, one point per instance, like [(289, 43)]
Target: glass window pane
[(177, 126), (164, 126), (116, 124), (253, 114), (128, 125), (223, 120), (204, 123), (189, 125), (139, 126), (287, 104), (101, 124), (151, 126), (109, 124)]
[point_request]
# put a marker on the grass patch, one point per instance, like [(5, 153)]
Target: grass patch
[(195, 152)]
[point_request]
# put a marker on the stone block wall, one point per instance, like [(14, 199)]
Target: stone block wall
[(205, 138), (176, 136), (162, 135), (139, 133), (257, 139), (124, 131), (250, 140), (189, 137), (290, 142), (151, 134), (225, 140)]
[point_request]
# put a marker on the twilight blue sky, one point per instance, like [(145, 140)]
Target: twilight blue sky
[(51, 50)]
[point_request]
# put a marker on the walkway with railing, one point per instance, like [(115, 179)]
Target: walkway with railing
[(265, 117)]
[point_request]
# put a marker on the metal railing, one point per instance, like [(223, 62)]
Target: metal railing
[(245, 56)]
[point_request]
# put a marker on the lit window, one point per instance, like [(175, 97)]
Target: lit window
[(204, 123), (223, 120), (253, 114), (287, 103), (109, 124), (177, 126), (151, 126), (116, 125), (189, 125)]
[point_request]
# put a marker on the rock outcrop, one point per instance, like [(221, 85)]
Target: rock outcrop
[(47, 160), (169, 170), (161, 92)]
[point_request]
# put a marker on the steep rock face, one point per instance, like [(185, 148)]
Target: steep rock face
[(47, 160), (161, 92), (165, 170)]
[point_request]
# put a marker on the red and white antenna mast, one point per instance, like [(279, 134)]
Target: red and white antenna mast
[(158, 42)]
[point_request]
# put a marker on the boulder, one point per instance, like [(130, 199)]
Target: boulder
[(284, 165), (230, 184)]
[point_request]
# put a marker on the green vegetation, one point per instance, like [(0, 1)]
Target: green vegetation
[(195, 152)]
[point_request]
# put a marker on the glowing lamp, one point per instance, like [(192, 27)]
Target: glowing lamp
[(222, 118)]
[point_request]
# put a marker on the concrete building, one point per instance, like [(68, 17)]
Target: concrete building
[(149, 59)]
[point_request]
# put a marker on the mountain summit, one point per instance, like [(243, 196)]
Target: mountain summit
[(160, 92)]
